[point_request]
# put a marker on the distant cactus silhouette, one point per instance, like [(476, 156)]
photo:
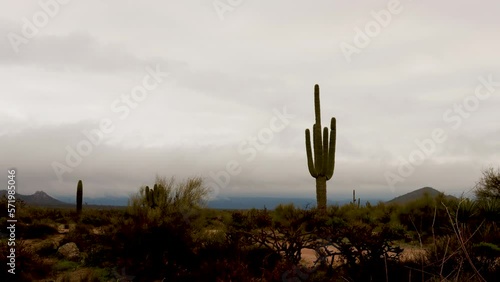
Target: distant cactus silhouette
[(322, 165), (152, 196), (79, 197), (354, 198)]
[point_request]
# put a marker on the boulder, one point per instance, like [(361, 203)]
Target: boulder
[(69, 251)]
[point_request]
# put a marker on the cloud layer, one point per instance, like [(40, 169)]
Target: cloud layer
[(227, 78)]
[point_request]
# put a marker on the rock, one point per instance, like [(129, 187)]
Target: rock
[(63, 228), (69, 251)]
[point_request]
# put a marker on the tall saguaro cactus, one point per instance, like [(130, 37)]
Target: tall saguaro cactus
[(322, 165), (79, 197)]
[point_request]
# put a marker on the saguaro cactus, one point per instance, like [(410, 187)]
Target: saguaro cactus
[(79, 197), (322, 165), (152, 196)]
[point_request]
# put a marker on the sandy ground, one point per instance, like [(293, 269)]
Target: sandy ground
[(409, 253)]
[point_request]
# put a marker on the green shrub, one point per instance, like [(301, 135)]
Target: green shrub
[(36, 230), (46, 248), (95, 219), (82, 236), (97, 275), (152, 235), (65, 265)]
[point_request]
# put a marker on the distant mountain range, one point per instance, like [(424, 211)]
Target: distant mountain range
[(41, 198), (417, 194)]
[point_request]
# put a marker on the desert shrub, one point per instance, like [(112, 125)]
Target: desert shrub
[(488, 186), (25, 219), (295, 232), (285, 233), (232, 261), (465, 211), (96, 218), (449, 258), (97, 275), (489, 209), (159, 240), (259, 218), (444, 256), (367, 251), (29, 265), (82, 236), (366, 247), (46, 248), (225, 269), (65, 265), (487, 251), (468, 252), (100, 254), (47, 215), (427, 217), (259, 244), (96, 249), (35, 230), (3, 223)]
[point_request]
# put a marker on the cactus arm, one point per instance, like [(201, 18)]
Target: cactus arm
[(325, 151), (147, 196), (318, 146), (331, 150), (317, 109), (310, 162)]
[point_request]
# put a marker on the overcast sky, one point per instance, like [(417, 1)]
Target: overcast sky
[(180, 88)]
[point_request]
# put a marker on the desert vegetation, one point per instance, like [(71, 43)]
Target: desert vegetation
[(167, 234)]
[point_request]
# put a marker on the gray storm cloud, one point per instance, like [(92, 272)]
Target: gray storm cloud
[(226, 79)]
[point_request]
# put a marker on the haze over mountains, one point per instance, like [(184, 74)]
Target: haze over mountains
[(40, 198)]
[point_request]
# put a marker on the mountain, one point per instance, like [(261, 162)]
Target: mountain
[(417, 194), (39, 198)]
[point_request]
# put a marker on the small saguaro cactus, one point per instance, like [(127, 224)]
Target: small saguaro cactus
[(147, 196), (321, 166), (152, 196), (79, 197)]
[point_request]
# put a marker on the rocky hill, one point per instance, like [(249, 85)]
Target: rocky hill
[(417, 194), (39, 198)]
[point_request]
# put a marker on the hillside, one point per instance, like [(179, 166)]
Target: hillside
[(415, 195), (39, 198)]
